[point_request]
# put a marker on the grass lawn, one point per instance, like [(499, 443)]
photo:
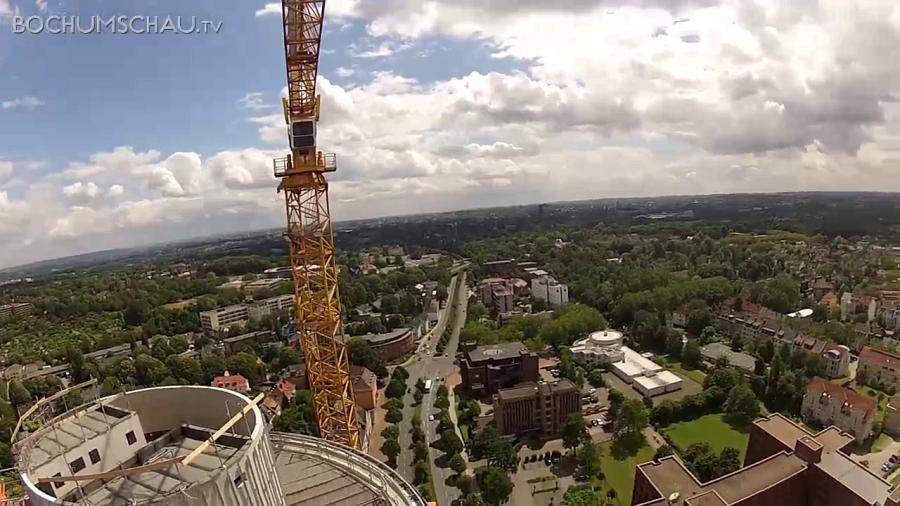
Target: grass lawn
[(619, 472), (693, 374), (710, 428), (181, 304), (676, 366)]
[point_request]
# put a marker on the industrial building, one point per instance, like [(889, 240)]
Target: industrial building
[(785, 465), (190, 445), (536, 408), (487, 369)]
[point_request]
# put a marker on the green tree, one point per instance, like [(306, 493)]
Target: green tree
[(393, 415), (76, 363), (742, 403), (391, 449), (588, 457), (495, 485), (663, 451), (690, 355), (18, 394), (574, 432), (391, 432), (111, 385), (421, 471), (583, 496), (729, 461), (458, 463), (136, 313), (631, 419), (360, 352), (472, 499), (396, 388), (246, 365), (299, 417), (450, 442)]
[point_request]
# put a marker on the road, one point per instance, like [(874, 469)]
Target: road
[(423, 365), (426, 366), (441, 368)]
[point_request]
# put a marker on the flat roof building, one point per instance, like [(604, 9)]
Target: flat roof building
[(784, 465), (645, 375), (391, 345), (537, 408), (15, 309), (602, 347), (221, 319), (487, 369), (714, 351)]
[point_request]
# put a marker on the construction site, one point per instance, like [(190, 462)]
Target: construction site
[(192, 445), (184, 445)]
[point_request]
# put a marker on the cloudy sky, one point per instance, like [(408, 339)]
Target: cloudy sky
[(117, 140)]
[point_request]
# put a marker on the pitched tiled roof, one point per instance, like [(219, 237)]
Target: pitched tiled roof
[(851, 399), (873, 356)]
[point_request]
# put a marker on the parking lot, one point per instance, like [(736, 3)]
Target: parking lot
[(875, 461)]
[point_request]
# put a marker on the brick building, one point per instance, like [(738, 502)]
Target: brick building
[(877, 367), (233, 382), (391, 345), (828, 404), (785, 466), (540, 408), (487, 369), (365, 387)]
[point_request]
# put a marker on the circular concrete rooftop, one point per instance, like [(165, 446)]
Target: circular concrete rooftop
[(606, 338)]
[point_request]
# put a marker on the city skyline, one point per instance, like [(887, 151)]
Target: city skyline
[(437, 106)]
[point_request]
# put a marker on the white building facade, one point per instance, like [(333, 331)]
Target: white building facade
[(548, 289)]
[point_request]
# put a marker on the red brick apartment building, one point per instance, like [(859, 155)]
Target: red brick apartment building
[(785, 466)]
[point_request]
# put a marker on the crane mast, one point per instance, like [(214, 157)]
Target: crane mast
[(309, 231)]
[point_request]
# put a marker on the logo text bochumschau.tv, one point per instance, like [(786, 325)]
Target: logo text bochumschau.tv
[(152, 25)]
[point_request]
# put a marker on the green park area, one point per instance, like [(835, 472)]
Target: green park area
[(712, 429), (618, 468)]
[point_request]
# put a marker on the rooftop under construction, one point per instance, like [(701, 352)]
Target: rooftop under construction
[(193, 445)]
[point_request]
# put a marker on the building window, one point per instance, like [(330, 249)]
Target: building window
[(94, 455), (76, 465), (130, 437), (58, 484)]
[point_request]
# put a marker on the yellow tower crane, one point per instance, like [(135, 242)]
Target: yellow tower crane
[(309, 232)]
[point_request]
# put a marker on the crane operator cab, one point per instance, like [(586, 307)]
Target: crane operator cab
[(302, 134)]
